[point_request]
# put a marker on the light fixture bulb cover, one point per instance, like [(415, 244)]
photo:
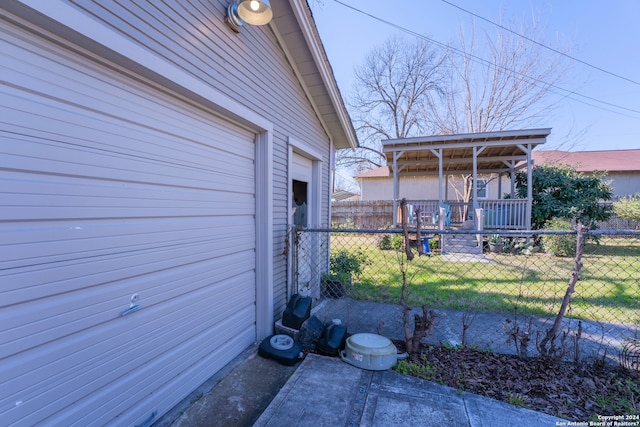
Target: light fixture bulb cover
[(255, 12)]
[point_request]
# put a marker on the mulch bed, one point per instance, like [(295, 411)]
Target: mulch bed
[(569, 391)]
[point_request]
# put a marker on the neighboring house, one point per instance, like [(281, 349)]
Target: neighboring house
[(622, 167), (377, 184), (150, 159)]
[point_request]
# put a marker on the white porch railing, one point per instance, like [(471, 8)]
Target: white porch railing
[(504, 214)]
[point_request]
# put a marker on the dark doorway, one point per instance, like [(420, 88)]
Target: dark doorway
[(300, 202)]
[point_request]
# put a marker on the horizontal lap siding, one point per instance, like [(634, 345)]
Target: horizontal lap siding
[(109, 188), (249, 66)]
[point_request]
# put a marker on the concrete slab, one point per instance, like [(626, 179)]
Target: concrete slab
[(325, 391), (399, 400), (236, 396), (485, 412)]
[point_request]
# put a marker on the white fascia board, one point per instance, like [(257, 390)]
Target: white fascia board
[(473, 138), (300, 8)]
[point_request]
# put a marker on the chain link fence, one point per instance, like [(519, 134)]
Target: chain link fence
[(499, 291)]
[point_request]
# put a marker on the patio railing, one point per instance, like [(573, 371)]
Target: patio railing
[(504, 214)]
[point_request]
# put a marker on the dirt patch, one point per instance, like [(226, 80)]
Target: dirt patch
[(576, 393)]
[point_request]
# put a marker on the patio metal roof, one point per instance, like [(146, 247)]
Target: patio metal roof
[(496, 151)]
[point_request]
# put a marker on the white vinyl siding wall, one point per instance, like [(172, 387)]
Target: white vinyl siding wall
[(110, 187)]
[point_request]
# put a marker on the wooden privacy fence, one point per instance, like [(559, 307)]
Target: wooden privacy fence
[(362, 214)]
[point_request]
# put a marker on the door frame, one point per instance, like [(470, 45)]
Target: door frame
[(314, 213)]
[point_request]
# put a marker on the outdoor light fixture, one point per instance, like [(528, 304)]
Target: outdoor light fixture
[(254, 12)]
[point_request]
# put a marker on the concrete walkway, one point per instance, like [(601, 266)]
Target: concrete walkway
[(325, 391)]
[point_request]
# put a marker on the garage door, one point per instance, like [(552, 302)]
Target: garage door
[(127, 264)]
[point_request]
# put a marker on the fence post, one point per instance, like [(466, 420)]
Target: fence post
[(479, 218), (575, 275)]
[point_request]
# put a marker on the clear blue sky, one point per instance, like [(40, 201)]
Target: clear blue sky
[(604, 34)]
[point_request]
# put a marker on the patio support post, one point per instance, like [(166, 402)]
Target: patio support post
[(395, 189), (527, 149), (438, 154), (512, 169), (529, 186), (446, 188), (396, 185), (474, 193)]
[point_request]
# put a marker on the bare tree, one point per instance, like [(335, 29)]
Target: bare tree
[(393, 90), (506, 82)]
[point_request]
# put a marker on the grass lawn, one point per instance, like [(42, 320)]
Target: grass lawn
[(608, 289)]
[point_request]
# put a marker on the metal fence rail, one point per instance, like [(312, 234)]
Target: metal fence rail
[(521, 283)]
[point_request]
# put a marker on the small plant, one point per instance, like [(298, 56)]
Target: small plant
[(420, 370), (434, 244), (390, 242), (344, 264), (495, 239), (516, 399), (561, 245), (496, 243), (523, 248)]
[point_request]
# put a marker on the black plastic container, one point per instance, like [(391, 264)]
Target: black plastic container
[(310, 332), (297, 311), (332, 339), (282, 348)]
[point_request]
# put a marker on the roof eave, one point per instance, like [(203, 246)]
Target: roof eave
[(469, 138), (335, 119)]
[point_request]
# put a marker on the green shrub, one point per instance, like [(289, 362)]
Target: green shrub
[(344, 264), (434, 244), (561, 245), (390, 241), (628, 208)]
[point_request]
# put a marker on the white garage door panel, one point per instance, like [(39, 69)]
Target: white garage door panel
[(108, 188), (30, 324), (163, 387), (62, 241), (63, 77), (104, 360), (62, 354), (81, 269), (54, 153), (119, 366)]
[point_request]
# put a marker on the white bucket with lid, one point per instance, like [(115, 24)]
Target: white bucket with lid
[(370, 351)]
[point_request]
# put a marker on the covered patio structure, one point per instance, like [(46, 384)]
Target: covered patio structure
[(500, 153)]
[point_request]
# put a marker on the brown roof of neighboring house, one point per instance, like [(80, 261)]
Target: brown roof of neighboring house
[(589, 161)]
